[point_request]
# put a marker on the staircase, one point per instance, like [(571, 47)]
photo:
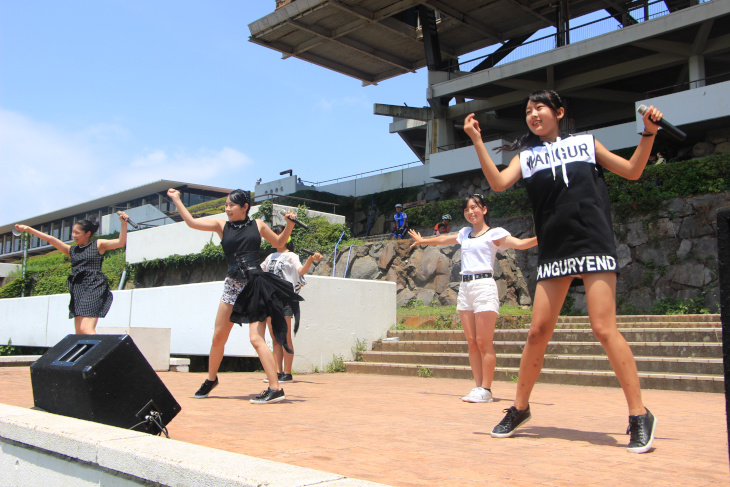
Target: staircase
[(678, 352)]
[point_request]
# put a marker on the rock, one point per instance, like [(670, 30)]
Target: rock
[(722, 148), (404, 297), (426, 296), (684, 248), (432, 193), (693, 274), (624, 255), (362, 268), (387, 254), (702, 149)]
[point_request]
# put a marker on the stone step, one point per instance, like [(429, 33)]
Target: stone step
[(705, 334), (678, 365), (649, 380), (641, 324), (662, 349), (647, 318)]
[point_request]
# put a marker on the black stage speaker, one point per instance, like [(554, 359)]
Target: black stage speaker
[(105, 379)]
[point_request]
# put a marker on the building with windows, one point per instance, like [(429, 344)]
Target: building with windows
[(147, 205)]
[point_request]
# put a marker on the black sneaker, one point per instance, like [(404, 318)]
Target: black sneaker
[(205, 389), (286, 378), (513, 420), (641, 427), (269, 395), (279, 376)]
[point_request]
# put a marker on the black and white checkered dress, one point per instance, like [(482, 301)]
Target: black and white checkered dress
[(89, 288)]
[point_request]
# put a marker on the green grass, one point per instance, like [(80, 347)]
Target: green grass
[(421, 310)]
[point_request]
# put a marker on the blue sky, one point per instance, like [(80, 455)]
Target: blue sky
[(101, 96)]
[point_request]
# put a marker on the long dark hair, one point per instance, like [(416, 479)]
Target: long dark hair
[(240, 198), (479, 200), (547, 97), (88, 226)]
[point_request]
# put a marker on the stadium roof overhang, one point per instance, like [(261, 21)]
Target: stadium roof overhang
[(373, 40)]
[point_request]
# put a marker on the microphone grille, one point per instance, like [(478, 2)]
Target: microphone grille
[(642, 109)]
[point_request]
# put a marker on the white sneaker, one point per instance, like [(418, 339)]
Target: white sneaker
[(478, 394)]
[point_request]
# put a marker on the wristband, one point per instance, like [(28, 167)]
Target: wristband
[(644, 134)]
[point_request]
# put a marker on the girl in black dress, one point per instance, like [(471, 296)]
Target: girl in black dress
[(245, 299), (564, 180), (91, 297)]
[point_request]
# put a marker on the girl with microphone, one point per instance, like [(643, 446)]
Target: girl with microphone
[(478, 300), (570, 204), (286, 264), (91, 297), (245, 298)]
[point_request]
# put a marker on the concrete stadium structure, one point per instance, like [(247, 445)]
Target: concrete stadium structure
[(672, 53)]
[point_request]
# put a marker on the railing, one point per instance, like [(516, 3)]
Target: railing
[(363, 174), (311, 204), (641, 13)]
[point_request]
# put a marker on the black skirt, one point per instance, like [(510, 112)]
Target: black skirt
[(265, 295)]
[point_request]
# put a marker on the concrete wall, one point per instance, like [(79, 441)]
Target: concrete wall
[(7, 269), (38, 448), (178, 238), (691, 106), (336, 312), (145, 213), (404, 178)]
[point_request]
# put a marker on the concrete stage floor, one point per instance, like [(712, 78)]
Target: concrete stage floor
[(410, 431)]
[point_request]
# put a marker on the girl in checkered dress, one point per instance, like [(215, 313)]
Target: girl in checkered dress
[(478, 301), (91, 297)]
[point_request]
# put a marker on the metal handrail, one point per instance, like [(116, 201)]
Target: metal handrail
[(527, 45)]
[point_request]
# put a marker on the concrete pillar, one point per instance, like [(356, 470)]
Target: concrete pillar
[(696, 71)]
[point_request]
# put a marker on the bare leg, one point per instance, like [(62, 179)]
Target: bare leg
[(485, 322), (221, 331), (468, 323), (601, 301), (549, 297), (288, 357), (256, 334), (278, 349), (85, 325)]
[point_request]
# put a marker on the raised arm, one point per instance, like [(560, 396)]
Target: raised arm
[(305, 268), (274, 239), (448, 239), (498, 180), (632, 168), (204, 224), (63, 247), (103, 245), (516, 243)]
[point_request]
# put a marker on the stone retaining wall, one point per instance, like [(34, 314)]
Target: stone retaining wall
[(672, 254)]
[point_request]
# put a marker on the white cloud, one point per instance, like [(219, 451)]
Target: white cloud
[(44, 168)]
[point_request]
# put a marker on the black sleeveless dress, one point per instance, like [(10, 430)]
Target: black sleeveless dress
[(264, 294), (570, 206), (89, 288)]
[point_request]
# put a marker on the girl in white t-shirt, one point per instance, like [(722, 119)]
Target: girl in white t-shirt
[(478, 301), (286, 264)]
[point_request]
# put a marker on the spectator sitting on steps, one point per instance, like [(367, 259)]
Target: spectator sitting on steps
[(401, 224)]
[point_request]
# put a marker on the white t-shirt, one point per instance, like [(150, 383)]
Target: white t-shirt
[(285, 265), (478, 254)]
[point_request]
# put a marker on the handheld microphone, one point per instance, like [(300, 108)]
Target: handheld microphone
[(308, 252), (295, 221), (129, 220), (664, 124)]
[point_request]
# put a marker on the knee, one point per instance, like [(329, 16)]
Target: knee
[(539, 334), (605, 334)]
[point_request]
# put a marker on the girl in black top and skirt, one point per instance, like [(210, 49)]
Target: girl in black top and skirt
[(249, 296), (91, 297), (564, 180)]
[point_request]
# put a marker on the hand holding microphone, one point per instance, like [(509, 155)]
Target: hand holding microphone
[(315, 255), (284, 213), (671, 129), (126, 218)]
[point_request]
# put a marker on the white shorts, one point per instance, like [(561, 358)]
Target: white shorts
[(478, 295)]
